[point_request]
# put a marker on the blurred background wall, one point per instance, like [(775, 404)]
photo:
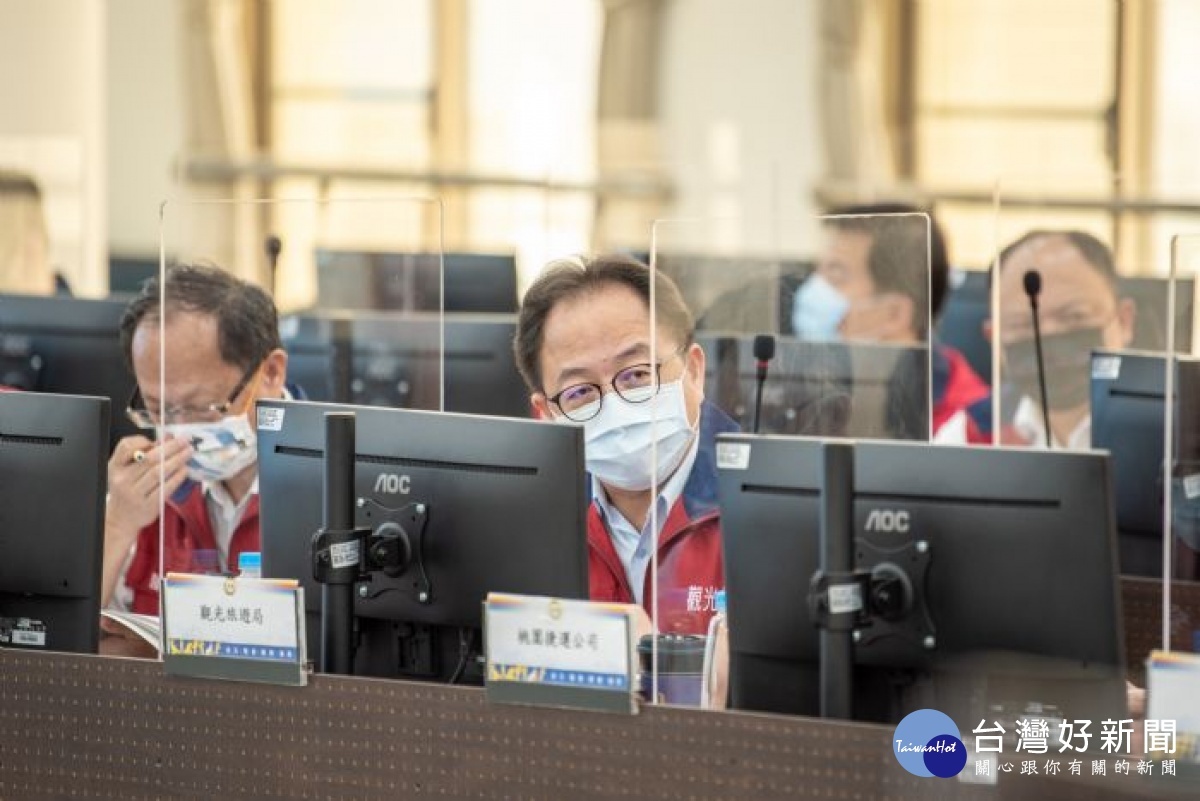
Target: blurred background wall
[(545, 127)]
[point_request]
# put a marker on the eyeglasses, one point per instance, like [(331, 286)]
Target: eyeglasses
[(636, 383), (1019, 328), (145, 418)]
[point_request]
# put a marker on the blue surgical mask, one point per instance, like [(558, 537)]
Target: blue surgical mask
[(818, 309), (619, 441), (220, 450)]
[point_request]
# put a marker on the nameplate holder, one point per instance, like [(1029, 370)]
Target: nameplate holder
[(564, 653), (1173, 695), (240, 629)]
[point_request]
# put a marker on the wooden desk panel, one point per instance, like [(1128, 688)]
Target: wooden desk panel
[(90, 728), (1141, 601)]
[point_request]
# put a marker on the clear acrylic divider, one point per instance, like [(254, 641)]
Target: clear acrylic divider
[(368, 298), (1094, 301), (846, 305), (1082, 319), (1180, 546), (334, 301), (1179, 590), (837, 310)]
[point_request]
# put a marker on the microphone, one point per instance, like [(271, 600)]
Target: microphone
[(274, 246), (764, 351), (1033, 287)]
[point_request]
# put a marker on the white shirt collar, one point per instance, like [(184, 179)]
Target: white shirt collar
[(1029, 424), (225, 515)]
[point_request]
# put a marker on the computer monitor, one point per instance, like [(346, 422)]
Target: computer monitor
[(1127, 403), (392, 359), (505, 504), (821, 388), (455, 282), (69, 346), (127, 274), (1009, 553), (53, 479)]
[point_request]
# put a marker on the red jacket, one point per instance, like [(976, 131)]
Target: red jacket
[(191, 545), (690, 567), (956, 389)]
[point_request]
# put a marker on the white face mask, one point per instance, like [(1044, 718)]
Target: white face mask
[(818, 309), (619, 441), (220, 450)]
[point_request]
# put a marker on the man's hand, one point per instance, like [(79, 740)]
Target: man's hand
[(117, 640), (134, 472), (133, 480)]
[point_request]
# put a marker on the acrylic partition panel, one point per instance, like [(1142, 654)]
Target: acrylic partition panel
[(238, 322), (839, 308), (812, 326), (1097, 285), (1180, 548)]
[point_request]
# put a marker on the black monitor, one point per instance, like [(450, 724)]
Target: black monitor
[(469, 282), (69, 346), (53, 479), (821, 388), (505, 504), (1010, 552), (392, 359), (1127, 402), (127, 273)]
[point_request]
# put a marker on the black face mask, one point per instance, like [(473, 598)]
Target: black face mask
[(1068, 357)]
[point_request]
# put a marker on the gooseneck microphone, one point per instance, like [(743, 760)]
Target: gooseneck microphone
[(273, 245), (764, 351), (1033, 287)]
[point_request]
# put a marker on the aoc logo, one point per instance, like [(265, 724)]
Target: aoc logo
[(927, 743), (393, 483), (889, 520)]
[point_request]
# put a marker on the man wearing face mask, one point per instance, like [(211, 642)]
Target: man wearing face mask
[(583, 345), (881, 268), (1079, 310), (218, 338)]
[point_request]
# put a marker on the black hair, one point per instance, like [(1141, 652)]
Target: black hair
[(900, 250), (247, 321), (1094, 252), (569, 278)]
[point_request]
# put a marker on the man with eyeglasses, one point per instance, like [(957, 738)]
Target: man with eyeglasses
[(217, 337), (586, 351), (1079, 310)]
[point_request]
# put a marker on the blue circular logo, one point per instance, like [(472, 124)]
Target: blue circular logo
[(927, 743)]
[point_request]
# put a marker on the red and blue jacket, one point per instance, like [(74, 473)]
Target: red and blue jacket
[(959, 391), (191, 545), (690, 566)]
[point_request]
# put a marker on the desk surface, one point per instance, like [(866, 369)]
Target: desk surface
[(91, 727)]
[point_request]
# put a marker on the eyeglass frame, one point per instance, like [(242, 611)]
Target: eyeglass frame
[(1011, 333), (613, 383), (144, 420)]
